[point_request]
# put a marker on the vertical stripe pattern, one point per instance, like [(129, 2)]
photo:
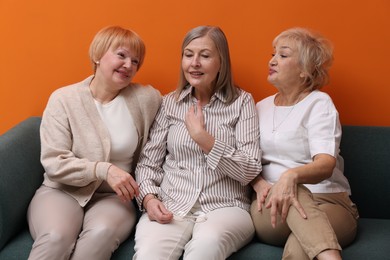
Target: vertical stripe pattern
[(173, 166)]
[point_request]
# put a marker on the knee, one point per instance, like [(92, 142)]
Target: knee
[(213, 244), (99, 233), (58, 243)]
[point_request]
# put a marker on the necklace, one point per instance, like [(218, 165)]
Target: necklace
[(275, 127)]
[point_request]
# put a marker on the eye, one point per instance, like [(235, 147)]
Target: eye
[(135, 62), (188, 55), (121, 54), (205, 56)]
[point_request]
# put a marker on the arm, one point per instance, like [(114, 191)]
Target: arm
[(149, 172), (284, 192), (241, 162), (60, 137)]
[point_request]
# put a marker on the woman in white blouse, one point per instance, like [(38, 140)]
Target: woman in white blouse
[(202, 153), (302, 200)]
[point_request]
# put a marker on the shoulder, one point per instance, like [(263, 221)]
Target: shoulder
[(319, 98), (145, 93), (319, 95), (170, 97), (69, 92), (244, 97), (266, 101)]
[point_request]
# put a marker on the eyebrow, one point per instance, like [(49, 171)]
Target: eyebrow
[(202, 50), (285, 47)]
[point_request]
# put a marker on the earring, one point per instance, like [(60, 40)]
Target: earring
[(97, 62)]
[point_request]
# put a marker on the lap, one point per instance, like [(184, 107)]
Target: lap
[(52, 209)]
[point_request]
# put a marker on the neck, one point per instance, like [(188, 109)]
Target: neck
[(290, 99), (101, 92), (203, 97)]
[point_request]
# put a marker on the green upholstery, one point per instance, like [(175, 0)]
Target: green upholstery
[(20, 174), (366, 151)]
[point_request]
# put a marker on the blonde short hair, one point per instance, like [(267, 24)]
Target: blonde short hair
[(315, 55), (113, 37)]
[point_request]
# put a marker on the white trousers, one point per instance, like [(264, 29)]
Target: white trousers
[(216, 236)]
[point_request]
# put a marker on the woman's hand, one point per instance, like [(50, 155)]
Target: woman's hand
[(196, 128), (156, 210), (284, 194), (122, 183), (195, 121), (262, 188)]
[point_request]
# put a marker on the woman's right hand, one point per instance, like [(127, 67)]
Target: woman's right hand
[(262, 188), (122, 183), (156, 210)]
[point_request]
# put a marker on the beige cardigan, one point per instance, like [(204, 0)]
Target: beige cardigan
[(75, 144)]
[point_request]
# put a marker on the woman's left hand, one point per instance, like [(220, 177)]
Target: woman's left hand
[(284, 194)]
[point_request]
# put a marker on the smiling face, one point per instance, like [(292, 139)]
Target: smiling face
[(117, 67), (201, 63), (284, 68)]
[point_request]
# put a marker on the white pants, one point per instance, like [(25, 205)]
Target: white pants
[(223, 232)]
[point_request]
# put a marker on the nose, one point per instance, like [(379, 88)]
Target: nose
[(128, 63), (272, 61), (195, 61)]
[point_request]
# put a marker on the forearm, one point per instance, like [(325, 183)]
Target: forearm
[(312, 173)]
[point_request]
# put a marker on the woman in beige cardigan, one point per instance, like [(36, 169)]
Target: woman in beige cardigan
[(91, 136)]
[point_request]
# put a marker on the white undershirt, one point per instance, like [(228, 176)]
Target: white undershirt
[(123, 134)]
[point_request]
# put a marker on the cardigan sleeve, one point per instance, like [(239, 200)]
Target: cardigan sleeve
[(58, 143)]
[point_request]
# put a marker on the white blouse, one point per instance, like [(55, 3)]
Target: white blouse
[(291, 136)]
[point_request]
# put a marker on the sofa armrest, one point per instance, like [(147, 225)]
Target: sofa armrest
[(21, 173)]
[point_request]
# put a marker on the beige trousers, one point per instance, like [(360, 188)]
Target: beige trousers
[(331, 224), (220, 233), (62, 229)]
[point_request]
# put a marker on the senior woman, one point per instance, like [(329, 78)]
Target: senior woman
[(92, 133), (202, 152), (302, 197)]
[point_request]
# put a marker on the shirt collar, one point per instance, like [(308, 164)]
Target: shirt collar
[(188, 90)]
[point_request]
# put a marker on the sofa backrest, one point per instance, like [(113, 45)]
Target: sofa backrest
[(21, 173), (366, 153)]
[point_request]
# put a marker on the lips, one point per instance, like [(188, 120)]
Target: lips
[(123, 73), (196, 73), (271, 71)]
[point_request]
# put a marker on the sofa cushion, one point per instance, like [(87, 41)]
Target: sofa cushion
[(18, 181), (366, 151)]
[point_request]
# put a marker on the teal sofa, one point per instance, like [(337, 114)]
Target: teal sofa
[(366, 151)]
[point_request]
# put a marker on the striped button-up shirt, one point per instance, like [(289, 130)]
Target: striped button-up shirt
[(175, 168)]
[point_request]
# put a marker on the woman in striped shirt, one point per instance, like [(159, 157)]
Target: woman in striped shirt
[(202, 152)]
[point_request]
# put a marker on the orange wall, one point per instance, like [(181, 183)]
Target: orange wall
[(44, 45)]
